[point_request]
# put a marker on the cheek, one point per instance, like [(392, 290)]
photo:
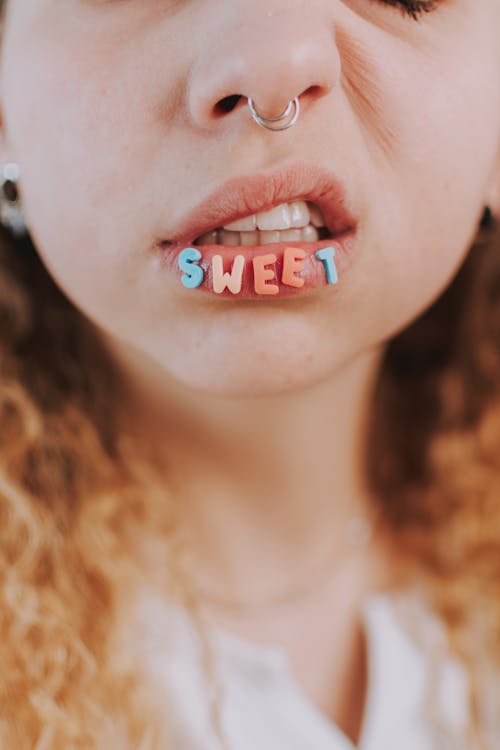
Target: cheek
[(70, 163), (72, 184), (436, 173), (87, 138), (454, 121)]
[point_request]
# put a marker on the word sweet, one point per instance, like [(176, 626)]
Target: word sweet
[(263, 273)]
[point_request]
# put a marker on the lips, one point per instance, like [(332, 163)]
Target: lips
[(254, 193)]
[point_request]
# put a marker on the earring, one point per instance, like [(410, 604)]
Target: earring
[(11, 213), (488, 220)]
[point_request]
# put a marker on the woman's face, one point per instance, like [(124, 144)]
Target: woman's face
[(110, 109)]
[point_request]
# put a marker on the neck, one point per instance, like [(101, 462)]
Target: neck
[(281, 475)]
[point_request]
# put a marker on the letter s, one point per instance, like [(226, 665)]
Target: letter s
[(193, 273)]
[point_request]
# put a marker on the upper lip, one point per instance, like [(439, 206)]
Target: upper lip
[(244, 196)]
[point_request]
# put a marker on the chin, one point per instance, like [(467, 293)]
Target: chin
[(269, 374)]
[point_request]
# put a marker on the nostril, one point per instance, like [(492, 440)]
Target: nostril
[(228, 103)]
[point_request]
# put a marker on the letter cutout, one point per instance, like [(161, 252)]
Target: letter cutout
[(193, 273), (263, 274), (292, 264), (232, 281), (326, 255)]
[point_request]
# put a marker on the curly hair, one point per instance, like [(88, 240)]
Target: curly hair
[(74, 486), (432, 459)]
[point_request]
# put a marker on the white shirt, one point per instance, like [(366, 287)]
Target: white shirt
[(264, 706)]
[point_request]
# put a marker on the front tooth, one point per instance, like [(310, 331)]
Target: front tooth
[(276, 218), (299, 213), (317, 219), (247, 224)]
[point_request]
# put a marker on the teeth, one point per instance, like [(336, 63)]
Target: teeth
[(317, 219), (271, 236), (229, 238), (300, 216), (310, 234), (291, 235), (295, 215), (276, 218), (243, 225), (209, 238), (264, 237), (249, 238)]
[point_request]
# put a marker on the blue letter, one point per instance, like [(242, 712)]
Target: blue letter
[(194, 273), (326, 255)]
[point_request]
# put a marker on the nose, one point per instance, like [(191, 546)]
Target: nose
[(272, 56)]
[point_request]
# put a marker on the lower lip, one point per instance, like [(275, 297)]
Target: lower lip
[(313, 270)]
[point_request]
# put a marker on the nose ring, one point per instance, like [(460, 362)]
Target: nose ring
[(263, 121)]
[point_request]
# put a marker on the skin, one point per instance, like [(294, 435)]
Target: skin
[(127, 140)]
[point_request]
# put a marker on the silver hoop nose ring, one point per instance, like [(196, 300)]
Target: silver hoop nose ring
[(287, 113)]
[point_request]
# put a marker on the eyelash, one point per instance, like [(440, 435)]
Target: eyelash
[(414, 8)]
